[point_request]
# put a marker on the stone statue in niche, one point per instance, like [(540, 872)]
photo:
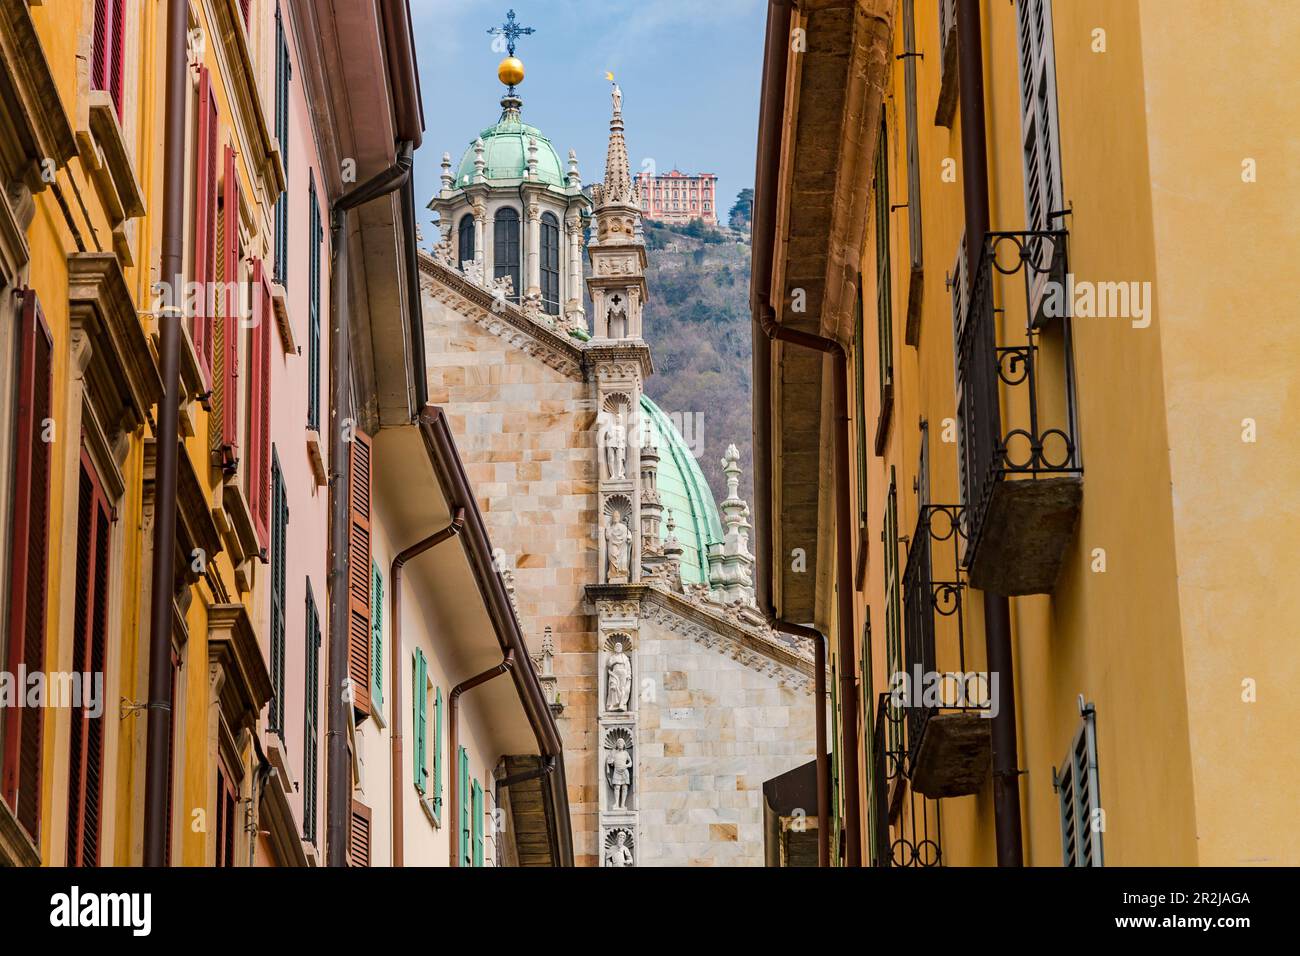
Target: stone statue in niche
[(618, 682), (618, 772), (618, 853), (617, 317), (618, 548), (615, 441)]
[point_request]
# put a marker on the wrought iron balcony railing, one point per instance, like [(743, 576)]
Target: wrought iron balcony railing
[(904, 825), (947, 729), (1016, 414)]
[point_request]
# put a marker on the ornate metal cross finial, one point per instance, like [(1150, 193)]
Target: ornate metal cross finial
[(511, 31)]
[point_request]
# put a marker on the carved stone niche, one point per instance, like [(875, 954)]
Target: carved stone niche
[(617, 540), (616, 440), (618, 674), (618, 769), (617, 846)]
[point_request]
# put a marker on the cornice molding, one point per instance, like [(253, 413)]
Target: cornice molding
[(503, 319), (34, 125), (233, 646), (122, 374), (749, 646)]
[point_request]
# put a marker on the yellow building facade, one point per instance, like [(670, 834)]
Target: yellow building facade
[(1083, 424)]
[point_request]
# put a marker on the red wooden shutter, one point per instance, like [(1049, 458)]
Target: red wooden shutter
[(243, 7), (205, 221), (230, 318), (259, 405), (90, 637), (117, 37), (359, 507), (99, 62), (359, 836), (28, 562), (227, 807)]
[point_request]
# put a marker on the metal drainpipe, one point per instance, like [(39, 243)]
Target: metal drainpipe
[(823, 758), (395, 671), (159, 722), (453, 746), (997, 609), (338, 772), (843, 561)]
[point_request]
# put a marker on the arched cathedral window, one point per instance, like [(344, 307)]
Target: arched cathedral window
[(505, 248), (550, 262), (465, 246)]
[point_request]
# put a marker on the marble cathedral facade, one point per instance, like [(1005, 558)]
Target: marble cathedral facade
[(634, 587)]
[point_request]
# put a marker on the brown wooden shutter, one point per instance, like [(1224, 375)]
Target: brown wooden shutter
[(28, 564), (359, 507), (90, 637), (359, 835)]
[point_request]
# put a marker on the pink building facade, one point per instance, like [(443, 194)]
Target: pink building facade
[(679, 197)]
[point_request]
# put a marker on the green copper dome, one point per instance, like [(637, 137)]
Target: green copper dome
[(685, 493), (505, 153)]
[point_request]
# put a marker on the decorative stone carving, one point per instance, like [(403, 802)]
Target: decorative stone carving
[(617, 317), (619, 847), (618, 679), (505, 285), (618, 550), (619, 767), (613, 439), (546, 676)]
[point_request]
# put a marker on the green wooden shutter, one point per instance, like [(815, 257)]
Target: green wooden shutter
[(1077, 789), (279, 534), (477, 810), (437, 754), (462, 760), (376, 636), (420, 701)]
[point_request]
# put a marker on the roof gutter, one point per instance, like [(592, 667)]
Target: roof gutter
[(403, 77), (766, 329), (478, 548)]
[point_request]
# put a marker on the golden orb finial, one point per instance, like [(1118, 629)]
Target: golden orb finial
[(511, 71)]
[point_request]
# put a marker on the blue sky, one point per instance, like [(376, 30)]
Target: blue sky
[(688, 103)]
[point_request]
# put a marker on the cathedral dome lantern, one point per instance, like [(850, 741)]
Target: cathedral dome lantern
[(511, 214)]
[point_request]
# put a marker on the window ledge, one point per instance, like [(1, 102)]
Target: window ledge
[(433, 816), (280, 299), (243, 532), (316, 456), (107, 154), (16, 847)]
